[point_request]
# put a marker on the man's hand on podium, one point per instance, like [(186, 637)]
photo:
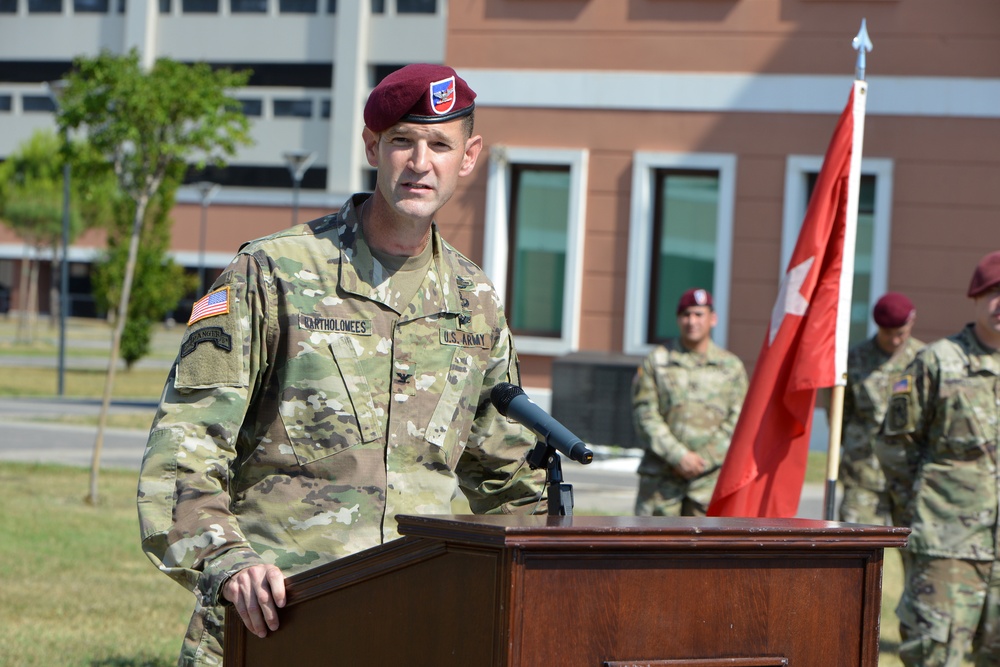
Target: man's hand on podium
[(257, 593)]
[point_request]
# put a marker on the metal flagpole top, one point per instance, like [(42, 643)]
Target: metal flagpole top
[(862, 44)]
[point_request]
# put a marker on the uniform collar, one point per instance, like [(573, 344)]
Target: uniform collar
[(360, 274), (981, 358)]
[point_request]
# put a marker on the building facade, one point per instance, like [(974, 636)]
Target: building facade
[(313, 63), (634, 148), (679, 140)]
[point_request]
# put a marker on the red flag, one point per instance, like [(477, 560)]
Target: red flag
[(806, 345)]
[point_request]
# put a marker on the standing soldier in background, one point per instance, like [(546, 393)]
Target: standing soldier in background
[(939, 443), (686, 398), (870, 366)]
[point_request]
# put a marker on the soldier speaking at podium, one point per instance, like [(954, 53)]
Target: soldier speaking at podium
[(337, 374)]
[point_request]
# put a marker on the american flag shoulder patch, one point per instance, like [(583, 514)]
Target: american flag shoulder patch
[(902, 385), (213, 303)]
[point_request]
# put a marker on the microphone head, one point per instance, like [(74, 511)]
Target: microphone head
[(502, 394)]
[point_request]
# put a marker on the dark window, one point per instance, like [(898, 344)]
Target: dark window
[(200, 6), (370, 178), (121, 6), (378, 6), (164, 6), (35, 103), (90, 6), (257, 177), (379, 72), (864, 256), (45, 6), (248, 6), (290, 75), (538, 241), (254, 107), (5, 102), (34, 71), (684, 244), (324, 108), (293, 108), (297, 6), (416, 6), (8, 6), (331, 6)]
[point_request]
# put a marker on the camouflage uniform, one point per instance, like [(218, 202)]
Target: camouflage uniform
[(866, 397), (938, 450), (683, 401), (295, 426)]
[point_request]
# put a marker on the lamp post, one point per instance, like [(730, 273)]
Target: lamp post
[(56, 89), (207, 190), (298, 162)]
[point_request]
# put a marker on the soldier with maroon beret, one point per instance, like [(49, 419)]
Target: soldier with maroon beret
[(870, 366), (938, 448), (337, 374), (686, 398)]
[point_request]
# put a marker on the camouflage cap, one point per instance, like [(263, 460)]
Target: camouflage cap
[(986, 275), (418, 93), (893, 310)]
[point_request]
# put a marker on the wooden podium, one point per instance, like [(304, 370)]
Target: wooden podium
[(539, 591)]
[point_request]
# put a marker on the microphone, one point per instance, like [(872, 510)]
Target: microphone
[(511, 401)]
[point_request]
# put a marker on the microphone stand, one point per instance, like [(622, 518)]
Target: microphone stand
[(560, 494)]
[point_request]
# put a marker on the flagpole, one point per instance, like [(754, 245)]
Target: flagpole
[(862, 44)]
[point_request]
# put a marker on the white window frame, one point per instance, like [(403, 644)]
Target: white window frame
[(495, 237), (640, 240), (797, 170)]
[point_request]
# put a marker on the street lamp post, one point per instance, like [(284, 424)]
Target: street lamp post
[(298, 162), (56, 89), (207, 190)]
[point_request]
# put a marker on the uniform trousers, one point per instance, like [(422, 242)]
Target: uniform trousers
[(947, 606)]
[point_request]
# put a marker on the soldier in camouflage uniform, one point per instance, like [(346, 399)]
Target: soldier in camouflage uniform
[(938, 449), (686, 398), (337, 374), (870, 365)]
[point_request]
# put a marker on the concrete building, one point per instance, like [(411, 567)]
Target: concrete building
[(313, 64)]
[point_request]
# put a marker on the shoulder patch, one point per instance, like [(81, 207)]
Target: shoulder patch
[(215, 335), (213, 303), (902, 385)]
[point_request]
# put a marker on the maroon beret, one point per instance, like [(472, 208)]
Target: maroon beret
[(986, 275), (419, 93), (893, 310), (694, 297)]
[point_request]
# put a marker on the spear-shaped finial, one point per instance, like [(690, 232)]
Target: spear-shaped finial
[(862, 44)]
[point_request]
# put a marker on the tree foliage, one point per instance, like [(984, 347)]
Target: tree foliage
[(160, 282), (149, 125)]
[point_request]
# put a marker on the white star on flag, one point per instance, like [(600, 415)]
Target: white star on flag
[(790, 300)]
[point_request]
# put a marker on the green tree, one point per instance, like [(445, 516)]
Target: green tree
[(31, 204), (148, 125), (160, 283)]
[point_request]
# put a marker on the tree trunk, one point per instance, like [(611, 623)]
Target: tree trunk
[(32, 303), (122, 316)]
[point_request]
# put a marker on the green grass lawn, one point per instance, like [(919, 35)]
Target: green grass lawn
[(77, 589)]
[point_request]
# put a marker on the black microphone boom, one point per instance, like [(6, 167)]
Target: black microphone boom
[(511, 401)]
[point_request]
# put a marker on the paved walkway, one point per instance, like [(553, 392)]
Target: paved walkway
[(607, 485)]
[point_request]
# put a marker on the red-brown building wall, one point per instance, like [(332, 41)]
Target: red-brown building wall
[(945, 199)]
